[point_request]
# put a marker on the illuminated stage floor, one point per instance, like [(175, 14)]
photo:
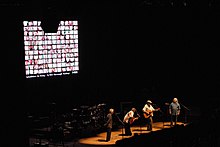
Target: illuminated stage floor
[(117, 135), (99, 139)]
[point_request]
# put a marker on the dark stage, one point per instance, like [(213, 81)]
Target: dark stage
[(129, 52)]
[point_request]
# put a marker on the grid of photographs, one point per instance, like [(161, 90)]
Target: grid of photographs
[(51, 54)]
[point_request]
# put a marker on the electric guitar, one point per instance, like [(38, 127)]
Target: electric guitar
[(148, 114)]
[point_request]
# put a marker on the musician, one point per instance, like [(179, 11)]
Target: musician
[(129, 118), (108, 124), (174, 111), (148, 110)]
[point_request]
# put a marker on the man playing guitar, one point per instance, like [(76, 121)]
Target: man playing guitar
[(128, 120), (148, 110)]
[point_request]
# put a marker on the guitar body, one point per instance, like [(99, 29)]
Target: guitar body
[(147, 115), (131, 120)]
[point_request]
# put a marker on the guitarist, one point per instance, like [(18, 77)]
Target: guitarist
[(148, 110), (128, 120)]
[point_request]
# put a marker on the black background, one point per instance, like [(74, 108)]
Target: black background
[(128, 51)]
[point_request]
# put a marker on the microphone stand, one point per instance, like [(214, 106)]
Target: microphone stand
[(122, 131), (139, 121), (162, 113), (156, 107), (185, 118)]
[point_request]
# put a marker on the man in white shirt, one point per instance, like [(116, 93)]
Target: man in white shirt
[(129, 116), (148, 110)]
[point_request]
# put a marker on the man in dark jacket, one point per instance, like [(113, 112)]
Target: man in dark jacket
[(108, 124)]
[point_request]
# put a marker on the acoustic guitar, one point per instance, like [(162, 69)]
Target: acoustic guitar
[(148, 114), (132, 119)]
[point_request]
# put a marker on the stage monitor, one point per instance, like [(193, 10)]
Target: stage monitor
[(51, 53)]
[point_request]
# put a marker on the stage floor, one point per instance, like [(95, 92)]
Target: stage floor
[(99, 139)]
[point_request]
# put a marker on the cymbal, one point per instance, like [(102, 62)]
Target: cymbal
[(101, 105), (167, 104), (84, 107), (91, 108)]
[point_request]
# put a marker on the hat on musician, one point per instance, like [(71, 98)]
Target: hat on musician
[(149, 101)]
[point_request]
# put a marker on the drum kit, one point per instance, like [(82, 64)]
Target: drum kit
[(83, 117), (92, 115), (74, 122)]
